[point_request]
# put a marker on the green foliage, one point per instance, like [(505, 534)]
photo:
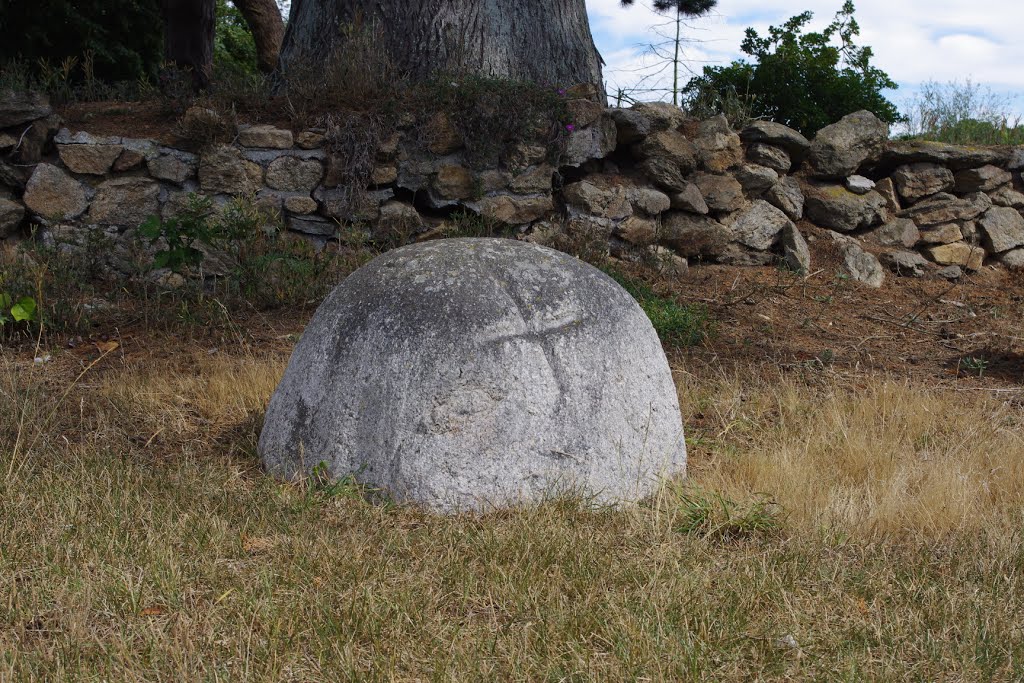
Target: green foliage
[(177, 236), (22, 310), (804, 80), (716, 517), (234, 50), (975, 364), (962, 114), (124, 37), (676, 324)]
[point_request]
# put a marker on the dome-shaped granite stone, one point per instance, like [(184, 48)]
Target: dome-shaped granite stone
[(476, 373)]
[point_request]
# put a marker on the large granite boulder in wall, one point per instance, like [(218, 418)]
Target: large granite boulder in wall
[(838, 150), (476, 373)]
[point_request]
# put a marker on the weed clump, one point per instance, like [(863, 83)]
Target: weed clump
[(676, 324)]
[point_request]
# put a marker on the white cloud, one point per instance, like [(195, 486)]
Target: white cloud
[(913, 40)]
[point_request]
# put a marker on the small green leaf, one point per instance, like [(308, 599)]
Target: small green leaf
[(150, 229), (24, 309), (5, 302), (193, 256), (161, 258)]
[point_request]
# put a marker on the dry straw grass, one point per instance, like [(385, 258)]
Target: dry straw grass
[(883, 458), (827, 532)]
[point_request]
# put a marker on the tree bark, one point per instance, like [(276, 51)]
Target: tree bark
[(267, 27), (188, 36), (544, 41)]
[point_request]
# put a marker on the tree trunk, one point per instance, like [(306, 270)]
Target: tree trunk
[(267, 27), (544, 41), (188, 36)]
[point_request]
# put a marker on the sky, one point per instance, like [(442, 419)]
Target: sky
[(914, 41)]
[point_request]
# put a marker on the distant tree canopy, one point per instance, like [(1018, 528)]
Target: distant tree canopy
[(693, 8), (806, 81), (124, 37), (233, 46)]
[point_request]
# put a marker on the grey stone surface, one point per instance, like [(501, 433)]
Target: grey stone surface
[(858, 264), (950, 272), (11, 214), (89, 159), (648, 200), (605, 202), (290, 174), (771, 133), (904, 263), (689, 199), (941, 234), (755, 179), (312, 225), (478, 373), (1015, 160), (946, 208), (593, 142), (914, 181), (266, 136), (900, 232), (661, 115), (858, 184), (984, 179), (957, 254), (126, 202), (739, 255), (171, 167), (630, 125), (759, 226), (953, 156), (770, 156), (1002, 229), (222, 169), (1013, 259), (795, 252), (664, 173), (21, 107), (839, 150), (835, 207), (513, 209), (637, 230), (887, 189), (1007, 196), (718, 147), (51, 193), (722, 193), (787, 195), (694, 235), (670, 145)]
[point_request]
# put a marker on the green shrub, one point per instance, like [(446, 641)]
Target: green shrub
[(806, 81)]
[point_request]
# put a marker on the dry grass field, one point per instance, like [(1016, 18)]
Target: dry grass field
[(830, 530)]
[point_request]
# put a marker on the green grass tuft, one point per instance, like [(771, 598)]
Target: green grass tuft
[(676, 324)]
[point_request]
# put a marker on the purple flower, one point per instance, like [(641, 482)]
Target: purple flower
[(561, 91), (570, 127)]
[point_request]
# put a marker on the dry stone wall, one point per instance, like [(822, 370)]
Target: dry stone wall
[(642, 183)]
